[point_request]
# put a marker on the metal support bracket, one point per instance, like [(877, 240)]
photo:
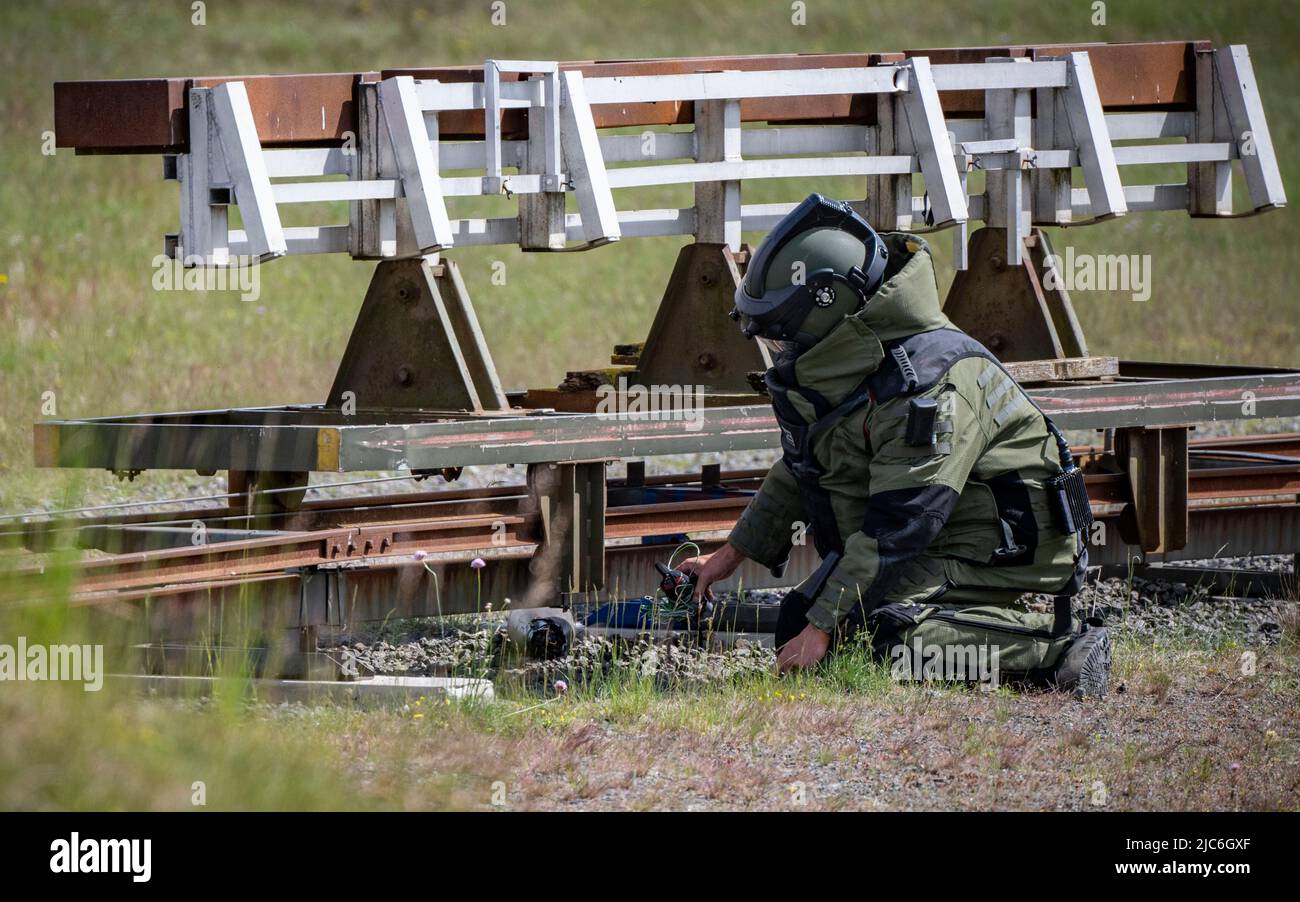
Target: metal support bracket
[(1250, 128), (1017, 312), (929, 132), (692, 341), (1092, 138), (204, 235), (1156, 463), (225, 165), (247, 169), (416, 344), (565, 514)]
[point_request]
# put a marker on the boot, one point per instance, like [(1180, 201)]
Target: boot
[(1084, 668)]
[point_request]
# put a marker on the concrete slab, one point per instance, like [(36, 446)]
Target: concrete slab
[(376, 690)]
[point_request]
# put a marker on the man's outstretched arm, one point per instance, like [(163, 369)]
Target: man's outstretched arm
[(762, 534)]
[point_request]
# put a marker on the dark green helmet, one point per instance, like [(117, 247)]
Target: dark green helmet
[(820, 264)]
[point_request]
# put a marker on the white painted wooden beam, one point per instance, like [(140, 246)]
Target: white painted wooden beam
[(416, 165), (247, 169)]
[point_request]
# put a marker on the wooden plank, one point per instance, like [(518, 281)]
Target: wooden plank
[(416, 164), (243, 156), (1250, 128), (586, 166), (1028, 372), (1084, 107)]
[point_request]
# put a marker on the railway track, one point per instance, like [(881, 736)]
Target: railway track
[(1242, 494)]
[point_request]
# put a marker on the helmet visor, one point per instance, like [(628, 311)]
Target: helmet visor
[(779, 347), (769, 302)]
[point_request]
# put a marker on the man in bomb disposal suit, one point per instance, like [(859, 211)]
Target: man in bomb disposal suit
[(936, 492)]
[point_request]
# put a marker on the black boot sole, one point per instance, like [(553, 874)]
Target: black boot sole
[(1089, 657)]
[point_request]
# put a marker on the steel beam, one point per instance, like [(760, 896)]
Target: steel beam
[(317, 439), (144, 115)]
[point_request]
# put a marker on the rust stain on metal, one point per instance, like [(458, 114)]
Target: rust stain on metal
[(148, 115)]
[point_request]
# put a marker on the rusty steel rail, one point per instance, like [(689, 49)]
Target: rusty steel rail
[(352, 545), (39, 534), (396, 587)]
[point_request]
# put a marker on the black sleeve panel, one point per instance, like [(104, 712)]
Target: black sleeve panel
[(903, 522)]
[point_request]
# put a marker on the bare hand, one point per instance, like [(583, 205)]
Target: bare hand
[(804, 650), (709, 568)]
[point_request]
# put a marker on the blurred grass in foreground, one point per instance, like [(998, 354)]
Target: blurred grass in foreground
[(1223, 741), (625, 738)]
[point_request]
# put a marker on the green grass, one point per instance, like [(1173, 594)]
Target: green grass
[(79, 317), (1183, 729), (622, 737)]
